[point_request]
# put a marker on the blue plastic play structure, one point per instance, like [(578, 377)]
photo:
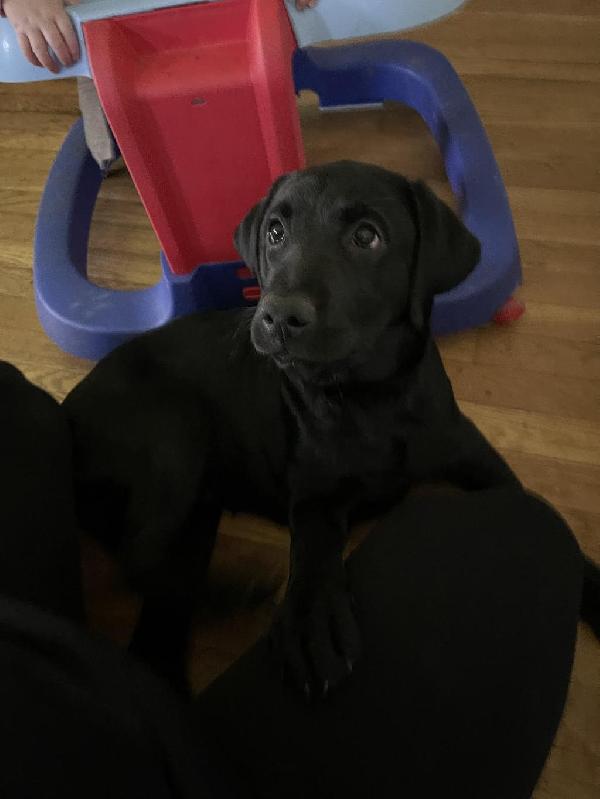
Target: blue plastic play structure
[(89, 321)]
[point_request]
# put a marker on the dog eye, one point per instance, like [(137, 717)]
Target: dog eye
[(366, 237), (275, 233)]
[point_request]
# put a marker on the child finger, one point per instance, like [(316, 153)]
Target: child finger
[(56, 41), (40, 48), (68, 31), (27, 50)]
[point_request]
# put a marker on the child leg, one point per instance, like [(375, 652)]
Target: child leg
[(98, 135)]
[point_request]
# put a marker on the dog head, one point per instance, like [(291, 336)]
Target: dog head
[(347, 254)]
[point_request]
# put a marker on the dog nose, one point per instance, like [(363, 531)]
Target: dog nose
[(287, 317)]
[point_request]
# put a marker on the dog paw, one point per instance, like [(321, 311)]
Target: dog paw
[(317, 639)]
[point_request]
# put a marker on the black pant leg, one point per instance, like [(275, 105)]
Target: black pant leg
[(468, 606), (39, 541)]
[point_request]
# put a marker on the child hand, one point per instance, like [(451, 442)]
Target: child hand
[(302, 5), (40, 24)]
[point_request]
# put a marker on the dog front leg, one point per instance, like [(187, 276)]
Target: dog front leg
[(315, 630)]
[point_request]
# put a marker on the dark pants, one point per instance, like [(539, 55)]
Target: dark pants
[(468, 607)]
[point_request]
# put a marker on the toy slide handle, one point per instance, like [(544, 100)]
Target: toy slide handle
[(329, 21), (333, 20)]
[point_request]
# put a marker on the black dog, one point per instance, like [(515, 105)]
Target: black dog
[(320, 406)]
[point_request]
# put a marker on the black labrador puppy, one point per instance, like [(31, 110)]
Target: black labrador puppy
[(319, 407)]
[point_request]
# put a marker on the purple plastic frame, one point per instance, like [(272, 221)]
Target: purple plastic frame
[(89, 321)]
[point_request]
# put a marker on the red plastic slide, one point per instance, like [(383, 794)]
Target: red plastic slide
[(201, 100)]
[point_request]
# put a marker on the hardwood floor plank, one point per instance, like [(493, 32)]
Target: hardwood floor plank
[(556, 215), (562, 358), (49, 97), (569, 105), (535, 157), (560, 8), (565, 322), (501, 385), (535, 433), (568, 258), (522, 69), (517, 35)]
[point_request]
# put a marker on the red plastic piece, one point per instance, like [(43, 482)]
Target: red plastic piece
[(512, 310), (251, 293), (243, 273), (202, 103)]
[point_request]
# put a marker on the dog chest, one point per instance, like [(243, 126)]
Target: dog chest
[(362, 446)]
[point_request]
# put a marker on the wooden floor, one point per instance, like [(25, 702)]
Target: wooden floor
[(533, 388)]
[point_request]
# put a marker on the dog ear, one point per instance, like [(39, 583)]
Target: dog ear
[(246, 236), (445, 252)]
